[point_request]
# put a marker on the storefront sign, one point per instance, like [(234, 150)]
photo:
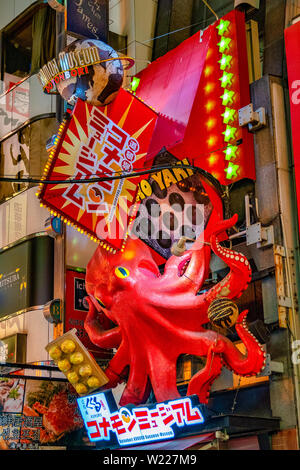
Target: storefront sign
[(13, 348), (52, 311), (127, 426), (174, 203), (99, 143), (87, 19), (15, 222), (36, 413), (292, 35), (69, 64), (26, 275), (170, 85), (14, 104), (211, 136)]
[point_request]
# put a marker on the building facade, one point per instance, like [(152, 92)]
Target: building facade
[(40, 262)]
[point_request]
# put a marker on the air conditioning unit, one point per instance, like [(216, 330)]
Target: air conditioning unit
[(251, 3)]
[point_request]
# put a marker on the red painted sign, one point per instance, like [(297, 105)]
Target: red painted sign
[(211, 137), (292, 44), (100, 142), (170, 85)]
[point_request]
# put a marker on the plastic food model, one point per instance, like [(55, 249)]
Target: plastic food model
[(73, 359), (160, 316)]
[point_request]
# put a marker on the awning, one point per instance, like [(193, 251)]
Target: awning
[(176, 444)]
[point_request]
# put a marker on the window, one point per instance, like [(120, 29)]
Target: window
[(28, 42)]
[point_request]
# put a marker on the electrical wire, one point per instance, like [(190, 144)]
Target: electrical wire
[(165, 34), (210, 8), (98, 179), (120, 174)]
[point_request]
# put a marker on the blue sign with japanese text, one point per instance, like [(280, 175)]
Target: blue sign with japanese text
[(111, 426)]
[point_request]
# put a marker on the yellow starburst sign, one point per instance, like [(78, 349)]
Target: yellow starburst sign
[(102, 147)]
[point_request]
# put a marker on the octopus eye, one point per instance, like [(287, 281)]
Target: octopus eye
[(121, 272), (100, 302)]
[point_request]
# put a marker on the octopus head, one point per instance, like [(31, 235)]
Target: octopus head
[(108, 274)]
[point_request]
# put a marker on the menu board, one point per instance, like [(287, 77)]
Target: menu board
[(39, 413)]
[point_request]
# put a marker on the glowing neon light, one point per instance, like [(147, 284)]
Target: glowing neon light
[(211, 141), (230, 152), (135, 83), (231, 171), (210, 105), (229, 133), (224, 44), (208, 70), (211, 123), (209, 88), (225, 62), (223, 27), (227, 97), (137, 425), (226, 79), (229, 115)]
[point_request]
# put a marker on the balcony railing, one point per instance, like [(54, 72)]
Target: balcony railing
[(22, 100)]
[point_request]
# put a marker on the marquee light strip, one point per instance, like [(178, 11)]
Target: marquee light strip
[(229, 116), (54, 213)]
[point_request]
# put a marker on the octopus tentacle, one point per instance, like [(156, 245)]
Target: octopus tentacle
[(116, 367), (254, 361), (163, 376), (201, 382), (100, 337), (236, 282), (137, 389)]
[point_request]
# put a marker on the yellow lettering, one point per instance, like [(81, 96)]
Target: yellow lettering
[(158, 178), (180, 173), (169, 178), (146, 189), (79, 58), (186, 162)]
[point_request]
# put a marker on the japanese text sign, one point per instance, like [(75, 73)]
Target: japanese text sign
[(107, 143), (137, 425)]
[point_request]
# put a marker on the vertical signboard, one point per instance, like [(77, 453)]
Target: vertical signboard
[(292, 44)]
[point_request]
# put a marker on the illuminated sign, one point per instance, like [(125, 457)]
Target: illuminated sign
[(105, 142), (70, 64), (13, 348), (111, 426), (173, 203), (216, 142), (212, 138)]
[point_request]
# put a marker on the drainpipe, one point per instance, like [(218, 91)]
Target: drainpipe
[(287, 217)]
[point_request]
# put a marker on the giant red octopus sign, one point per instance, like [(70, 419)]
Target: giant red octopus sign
[(158, 316)]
